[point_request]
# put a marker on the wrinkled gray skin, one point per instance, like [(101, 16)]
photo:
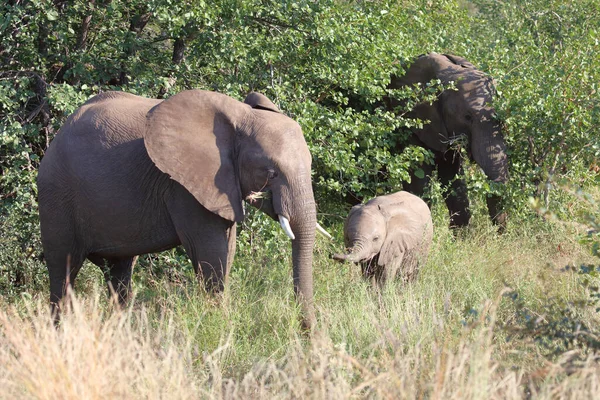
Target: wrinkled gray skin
[(389, 236), (128, 175), (465, 112)]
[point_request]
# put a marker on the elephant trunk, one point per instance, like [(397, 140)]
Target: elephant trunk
[(302, 256), (489, 151), (356, 254), (350, 257), (299, 204), (341, 257)]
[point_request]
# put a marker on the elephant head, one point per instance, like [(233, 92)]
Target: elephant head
[(224, 152), (364, 234), (465, 112)]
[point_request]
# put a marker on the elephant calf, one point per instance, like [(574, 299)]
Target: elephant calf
[(389, 236)]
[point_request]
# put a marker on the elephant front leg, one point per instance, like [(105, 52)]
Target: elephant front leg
[(454, 190), (212, 258), (211, 248), (372, 271), (417, 185), (496, 211), (208, 239), (457, 202)]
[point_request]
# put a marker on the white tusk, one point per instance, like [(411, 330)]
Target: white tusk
[(285, 225), (322, 231)]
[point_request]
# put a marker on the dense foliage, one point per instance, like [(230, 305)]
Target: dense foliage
[(435, 337), (309, 57)]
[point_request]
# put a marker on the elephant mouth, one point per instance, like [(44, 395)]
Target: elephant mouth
[(262, 200), (256, 196), (368, 258)]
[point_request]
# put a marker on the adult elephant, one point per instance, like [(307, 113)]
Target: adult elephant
[(463, 115), (127, 175)]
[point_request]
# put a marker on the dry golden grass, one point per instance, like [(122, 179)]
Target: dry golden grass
[(96, 354), (93, 355)]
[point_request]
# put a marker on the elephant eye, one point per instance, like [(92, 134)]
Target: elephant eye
[(272, 174), (468, 117), (376, 238)]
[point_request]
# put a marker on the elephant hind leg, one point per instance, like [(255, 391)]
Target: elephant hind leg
[(63, 267), (117, 274)]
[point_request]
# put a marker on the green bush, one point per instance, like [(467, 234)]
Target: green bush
[(311, 58)]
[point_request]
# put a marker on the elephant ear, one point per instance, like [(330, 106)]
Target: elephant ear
[(390, 209), (434, 134), (393, 249), (406, 227), (190, 137), (261, 102), (399, 218)]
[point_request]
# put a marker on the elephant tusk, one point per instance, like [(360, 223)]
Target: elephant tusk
[(322, 231), (285, 225)]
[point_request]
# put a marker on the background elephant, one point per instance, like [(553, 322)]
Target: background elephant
[(458, 116), (128, 175), (389, 236)]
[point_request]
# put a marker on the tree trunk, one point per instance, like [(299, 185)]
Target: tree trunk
[(82, 33), (137, 25), (178, 50), (177, 58)]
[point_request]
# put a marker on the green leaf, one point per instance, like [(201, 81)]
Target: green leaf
[(52, 15)]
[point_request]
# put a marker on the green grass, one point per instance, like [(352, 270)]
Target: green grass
[(449, 334)]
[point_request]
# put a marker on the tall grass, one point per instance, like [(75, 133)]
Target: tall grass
[(95, 355), (447, 335)]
